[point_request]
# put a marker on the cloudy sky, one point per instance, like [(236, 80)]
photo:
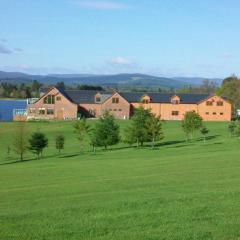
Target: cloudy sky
[(161, 37)]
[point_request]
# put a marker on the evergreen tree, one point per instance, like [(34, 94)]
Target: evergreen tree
[(137, 132), (105, 132), (191, 122), (59, 142), (38, 142)]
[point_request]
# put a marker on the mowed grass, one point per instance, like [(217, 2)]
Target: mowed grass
[(178, 191)]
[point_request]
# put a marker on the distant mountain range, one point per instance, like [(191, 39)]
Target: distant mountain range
[(136, 80)]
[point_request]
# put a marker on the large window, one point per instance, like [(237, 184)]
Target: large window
[(115, 100), (175, 113), (50, 111), (50, 99)]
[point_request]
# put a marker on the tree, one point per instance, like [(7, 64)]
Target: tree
[(59, 142), (20, 139), (137, 132), (154, 127), (105, 132), (231, 128), (81, 128), (204, 131), (38, 142), (191, 122), (237, 129)]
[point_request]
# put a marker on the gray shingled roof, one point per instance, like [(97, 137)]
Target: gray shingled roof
[(88, 96), (163, 97), (83, 96)]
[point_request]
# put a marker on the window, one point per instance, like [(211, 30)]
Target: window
[(42, 111), (214, 113), (145, 101), (175, 113), (221, 113), (207, 113), (50, 111), (115, 110), (175, 101), (50, 99), (115, 100), (209, 103), (110, 109), (219, 103), (58, 98), (98, 99), (119, 110)]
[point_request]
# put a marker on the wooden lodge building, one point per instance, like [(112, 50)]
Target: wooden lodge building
[(72, 104)]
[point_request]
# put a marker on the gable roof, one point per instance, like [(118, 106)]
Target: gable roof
[(163, 97), (83, 96)]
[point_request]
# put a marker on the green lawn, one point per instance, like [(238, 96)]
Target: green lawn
[(178, 191)]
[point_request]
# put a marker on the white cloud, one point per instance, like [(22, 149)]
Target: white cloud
[(121, 61), (99, 4)]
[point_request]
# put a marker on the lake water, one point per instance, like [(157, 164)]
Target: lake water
[(7, 106)]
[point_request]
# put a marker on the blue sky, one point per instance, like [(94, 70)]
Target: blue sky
[(160, 37)]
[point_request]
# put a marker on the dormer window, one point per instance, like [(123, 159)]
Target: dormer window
[(209, 103), (175, 100), (98, 99), (145, 101), (219, 103)]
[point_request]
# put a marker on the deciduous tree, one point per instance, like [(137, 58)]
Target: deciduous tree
[(81, 128), (20, 139), (154, 127), (191, 122)]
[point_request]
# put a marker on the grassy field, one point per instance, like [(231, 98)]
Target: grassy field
[(178, 191)]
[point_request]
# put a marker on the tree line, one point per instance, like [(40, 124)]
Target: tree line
[(144, 127)]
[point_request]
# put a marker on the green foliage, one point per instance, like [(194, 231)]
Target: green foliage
[(20, 139), (237, 129), (81, 128), (231, 128), (231, 90), (204, 131), (137, 132), (154, 128), (9, 90), (191, 122), (59, 142), (105, 132), (38, 142)]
